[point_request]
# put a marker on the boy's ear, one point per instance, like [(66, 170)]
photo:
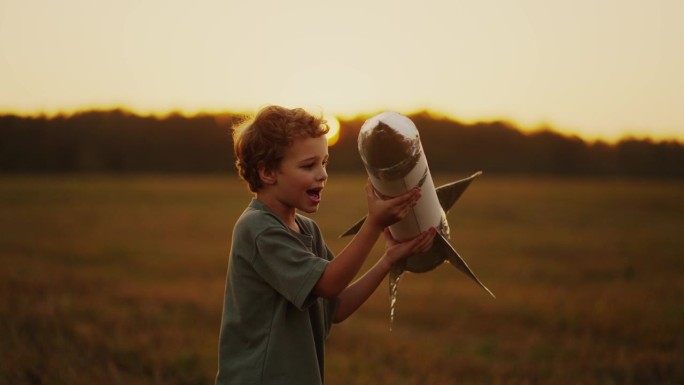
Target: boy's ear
[(267, 176)]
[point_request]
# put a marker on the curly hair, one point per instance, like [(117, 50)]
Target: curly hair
[(263, 140)]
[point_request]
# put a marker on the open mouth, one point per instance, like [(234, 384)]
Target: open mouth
[(314, 194)]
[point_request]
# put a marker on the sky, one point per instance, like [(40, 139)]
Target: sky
[(600, 69)]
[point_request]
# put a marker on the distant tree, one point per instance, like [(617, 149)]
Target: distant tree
[(117, 141), (644, 158)]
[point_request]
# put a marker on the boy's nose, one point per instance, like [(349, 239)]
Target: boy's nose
[(323, 174)]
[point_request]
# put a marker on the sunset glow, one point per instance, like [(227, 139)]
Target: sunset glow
[(598, 69), (334, 134)]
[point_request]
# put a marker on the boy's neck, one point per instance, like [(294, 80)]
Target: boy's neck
[(285, 213)]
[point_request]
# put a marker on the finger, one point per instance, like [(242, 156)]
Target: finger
[(427, 245), (404, 211), (419, 244), (407, 198), (370, 191), (425, 240), (413, 244)]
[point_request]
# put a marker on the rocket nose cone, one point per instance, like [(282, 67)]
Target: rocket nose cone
[(400, 123), (387, 140)]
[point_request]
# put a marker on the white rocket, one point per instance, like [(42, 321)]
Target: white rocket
[(393, 155)]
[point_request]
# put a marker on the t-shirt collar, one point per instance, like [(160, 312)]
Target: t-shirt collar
[(305, 236)]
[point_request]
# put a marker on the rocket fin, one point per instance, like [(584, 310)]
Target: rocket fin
[(354, 229), (458, 262), (449, 193)]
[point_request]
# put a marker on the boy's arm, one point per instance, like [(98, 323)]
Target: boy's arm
[(344, 267), (356, 294)]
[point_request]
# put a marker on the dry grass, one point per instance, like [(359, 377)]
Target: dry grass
[(120, 280)]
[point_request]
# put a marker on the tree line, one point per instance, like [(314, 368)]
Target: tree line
[(117, 141)]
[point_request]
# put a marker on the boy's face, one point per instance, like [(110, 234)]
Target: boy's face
[(302, 174)]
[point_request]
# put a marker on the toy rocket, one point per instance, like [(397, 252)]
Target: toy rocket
[(393, 156)]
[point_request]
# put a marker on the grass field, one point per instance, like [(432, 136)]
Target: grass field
[(119, 280)]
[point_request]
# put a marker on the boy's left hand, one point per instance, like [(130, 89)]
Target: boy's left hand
[(397, 251)]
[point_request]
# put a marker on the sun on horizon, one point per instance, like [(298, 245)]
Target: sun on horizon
[(597, 70)]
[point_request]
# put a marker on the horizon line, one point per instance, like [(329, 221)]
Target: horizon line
[(433, 114)]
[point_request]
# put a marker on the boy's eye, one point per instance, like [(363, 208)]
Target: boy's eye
[(314, 164)]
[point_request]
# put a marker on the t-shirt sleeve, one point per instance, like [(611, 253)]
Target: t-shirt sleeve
[(288, 265)]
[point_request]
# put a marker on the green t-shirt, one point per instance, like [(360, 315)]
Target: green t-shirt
[(273, 328)]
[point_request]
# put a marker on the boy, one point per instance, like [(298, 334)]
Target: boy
[(284, 287)]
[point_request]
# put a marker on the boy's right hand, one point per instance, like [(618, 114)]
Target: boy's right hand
[(385, 212)]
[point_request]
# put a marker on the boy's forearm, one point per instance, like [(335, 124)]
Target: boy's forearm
[(343, 268), (356, 294)]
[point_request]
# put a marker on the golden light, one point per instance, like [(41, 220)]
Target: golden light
[(334, 134)]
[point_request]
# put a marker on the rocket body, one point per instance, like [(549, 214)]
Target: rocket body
[(391, 151), (393, 156)]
